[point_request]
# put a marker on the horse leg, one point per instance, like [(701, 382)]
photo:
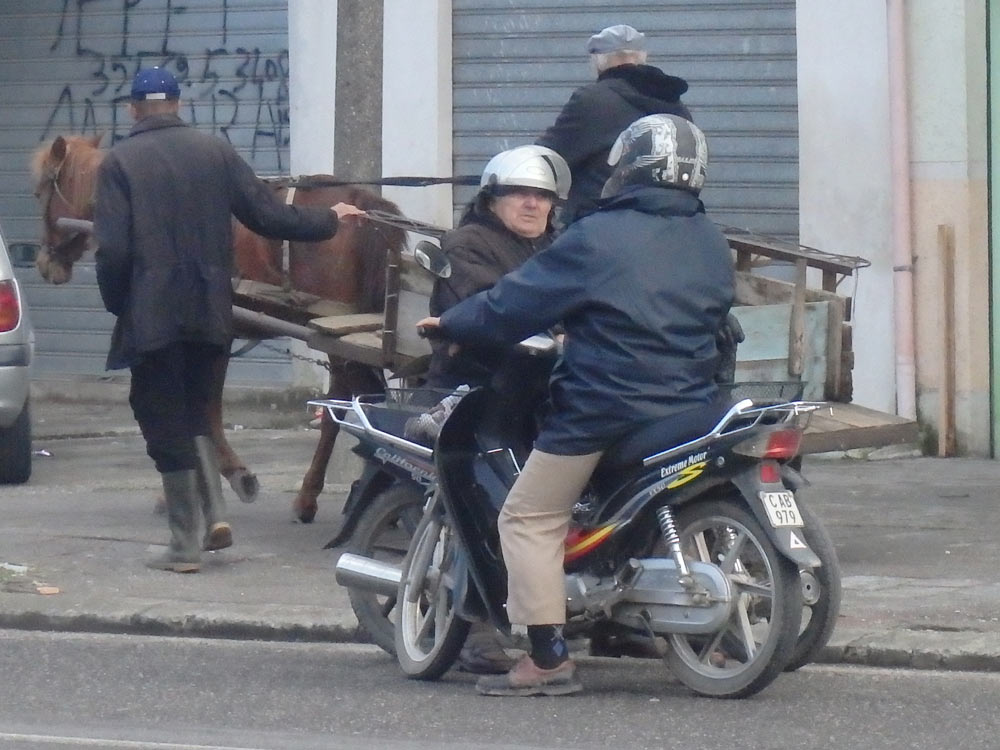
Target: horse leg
[(304, 507), (243, 482), (346, 380)]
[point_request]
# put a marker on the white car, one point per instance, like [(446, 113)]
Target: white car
[(17, 344)]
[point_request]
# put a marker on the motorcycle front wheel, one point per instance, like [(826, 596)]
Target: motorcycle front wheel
[(429, 632), (383, 533), (753, 647)]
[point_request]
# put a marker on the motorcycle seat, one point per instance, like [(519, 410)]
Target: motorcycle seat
[(660, 435)]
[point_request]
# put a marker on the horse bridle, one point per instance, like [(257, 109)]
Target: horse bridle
[(51, 178)]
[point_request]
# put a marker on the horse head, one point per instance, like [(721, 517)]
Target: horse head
[(65, 172)]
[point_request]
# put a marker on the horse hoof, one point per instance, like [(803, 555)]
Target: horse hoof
[(245, 485), (304, 515)]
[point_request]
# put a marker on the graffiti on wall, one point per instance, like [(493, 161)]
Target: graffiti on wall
[(237, 92)]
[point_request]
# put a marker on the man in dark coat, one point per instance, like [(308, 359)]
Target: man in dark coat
[(641, 287), (626, 89), (163, 224)]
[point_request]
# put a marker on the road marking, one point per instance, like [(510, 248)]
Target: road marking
[(100, 742)]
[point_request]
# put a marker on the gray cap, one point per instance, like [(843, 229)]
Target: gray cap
[(616, 39)]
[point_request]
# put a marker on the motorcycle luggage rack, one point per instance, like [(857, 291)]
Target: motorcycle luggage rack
[(742, 416), (354, 414)]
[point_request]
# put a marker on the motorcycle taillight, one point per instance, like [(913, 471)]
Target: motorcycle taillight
[(10, 310), (780, 443)]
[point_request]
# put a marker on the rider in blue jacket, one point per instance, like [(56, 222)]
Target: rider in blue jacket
[(641, 288)]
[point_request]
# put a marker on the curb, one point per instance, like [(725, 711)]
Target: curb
[(947, 651), (183, 625)]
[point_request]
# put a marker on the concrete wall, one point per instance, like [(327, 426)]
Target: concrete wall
[(844, 178), (312, 61), (947, 42), (845, 188)]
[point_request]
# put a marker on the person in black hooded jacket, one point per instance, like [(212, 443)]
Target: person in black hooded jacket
[(626, 89)]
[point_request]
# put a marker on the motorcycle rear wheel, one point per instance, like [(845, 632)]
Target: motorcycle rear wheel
[(751, 650), (429, 632), (384, 533)]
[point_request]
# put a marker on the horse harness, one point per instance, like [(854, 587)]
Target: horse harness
[(52, 179)]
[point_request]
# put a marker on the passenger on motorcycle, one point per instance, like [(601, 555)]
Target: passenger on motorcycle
[(506, 223), (641, 287)]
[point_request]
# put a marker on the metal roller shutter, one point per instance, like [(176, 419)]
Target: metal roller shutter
[(516, 62), (66, 67)]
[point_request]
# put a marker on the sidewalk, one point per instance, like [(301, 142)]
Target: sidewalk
[(915, 537)]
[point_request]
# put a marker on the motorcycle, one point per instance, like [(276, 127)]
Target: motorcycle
[(385, 503), (700, 544)]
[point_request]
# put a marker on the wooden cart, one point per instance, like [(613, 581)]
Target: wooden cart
[(795, 332)]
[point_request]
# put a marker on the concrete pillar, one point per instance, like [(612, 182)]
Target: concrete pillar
[(335, 93), (416, 105)]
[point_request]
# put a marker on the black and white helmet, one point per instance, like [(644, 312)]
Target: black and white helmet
[(528, 166), (664, 150)]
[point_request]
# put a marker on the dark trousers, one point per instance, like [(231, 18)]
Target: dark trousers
[(171, 388)]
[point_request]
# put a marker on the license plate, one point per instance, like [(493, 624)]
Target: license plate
[(781, 509)]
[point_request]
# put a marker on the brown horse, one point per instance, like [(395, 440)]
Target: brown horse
[(349, 268)]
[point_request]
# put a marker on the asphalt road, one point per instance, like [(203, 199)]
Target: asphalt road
[(82, 690)]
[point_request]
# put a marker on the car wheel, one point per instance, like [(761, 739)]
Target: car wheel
[(15, 449)]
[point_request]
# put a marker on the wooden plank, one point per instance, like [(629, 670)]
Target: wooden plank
[(753, 289), (840, 427), (416, 285), (391, 318), (293, 306), (772, 248), (763, 356), (947, 440), (365, 348), (796, 323), (340, 325), (412, 308), (834, 345)]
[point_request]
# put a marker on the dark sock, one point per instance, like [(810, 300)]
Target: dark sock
[(548, 648)]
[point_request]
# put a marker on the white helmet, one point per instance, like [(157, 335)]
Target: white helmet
[(528, 166)]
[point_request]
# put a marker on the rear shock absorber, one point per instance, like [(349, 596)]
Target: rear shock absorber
[(665, 517), (668, 529)]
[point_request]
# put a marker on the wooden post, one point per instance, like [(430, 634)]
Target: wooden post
[(797, 322), (946, 390), (390, 326)]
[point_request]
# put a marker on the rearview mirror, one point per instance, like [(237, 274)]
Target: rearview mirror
[(431, 258)]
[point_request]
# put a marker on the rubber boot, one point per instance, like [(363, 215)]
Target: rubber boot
[(218, 532), (180, 488)]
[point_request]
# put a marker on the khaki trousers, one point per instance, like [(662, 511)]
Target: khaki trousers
[(533, 524)]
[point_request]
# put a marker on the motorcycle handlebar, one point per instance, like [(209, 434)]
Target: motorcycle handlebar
[(539, 343), (430, 333)]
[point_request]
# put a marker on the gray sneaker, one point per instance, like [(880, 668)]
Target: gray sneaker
[(527, 678)]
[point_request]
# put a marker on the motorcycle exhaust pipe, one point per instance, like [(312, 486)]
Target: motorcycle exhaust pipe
[(359, 572)]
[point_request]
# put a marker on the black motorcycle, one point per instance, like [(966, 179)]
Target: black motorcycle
[(700, 545), (385, 503)]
